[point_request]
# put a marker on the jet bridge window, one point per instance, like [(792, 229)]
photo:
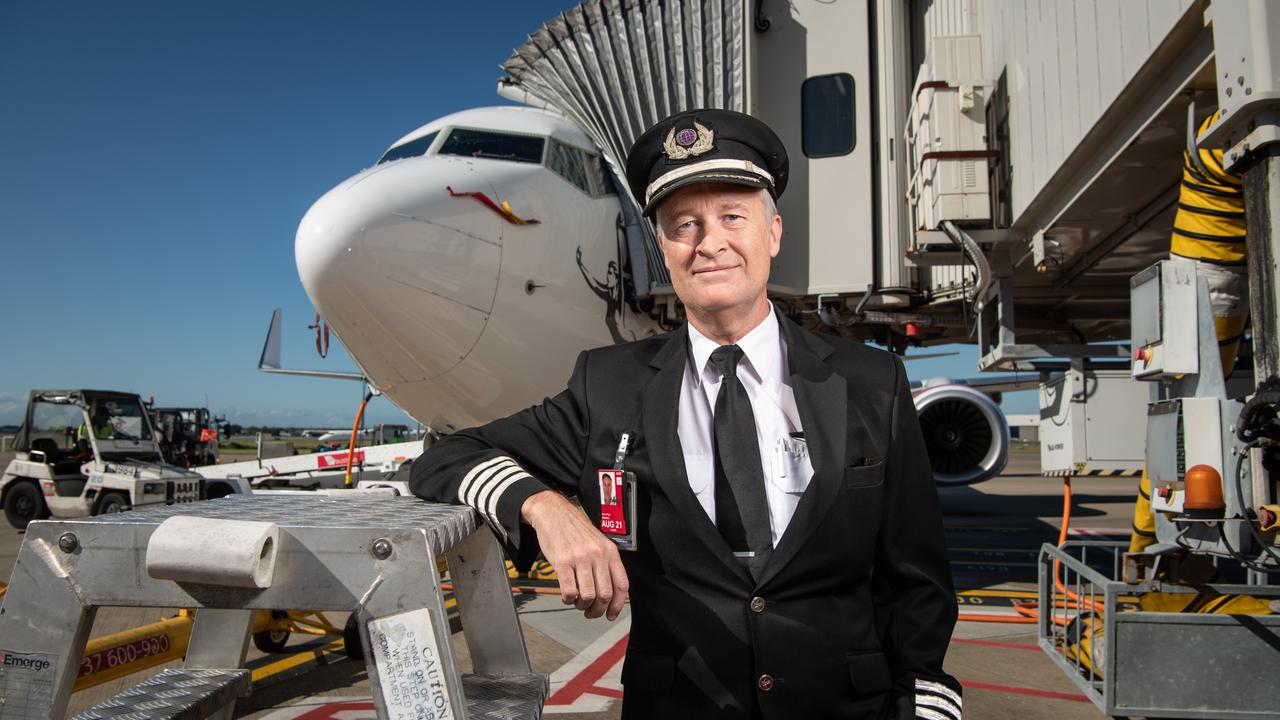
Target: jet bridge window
[(413, 148), (827, 115), (493, 145)]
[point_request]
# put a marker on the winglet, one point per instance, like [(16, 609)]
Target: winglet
[(270, 359)]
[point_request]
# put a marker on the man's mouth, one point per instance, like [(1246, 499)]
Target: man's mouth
[(713, 269)]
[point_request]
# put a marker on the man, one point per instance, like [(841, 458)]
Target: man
[(101, 428), (789, 557)]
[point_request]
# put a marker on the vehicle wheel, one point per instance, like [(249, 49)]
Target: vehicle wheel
[(113, 502), (218, 490), (24, 503), (271, 641), (351, 638)]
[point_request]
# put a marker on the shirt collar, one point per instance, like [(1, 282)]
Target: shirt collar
[(762, 351)]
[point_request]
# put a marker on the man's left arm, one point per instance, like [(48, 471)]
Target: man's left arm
[(915, 598)]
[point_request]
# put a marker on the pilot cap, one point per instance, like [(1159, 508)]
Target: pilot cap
[(696, 146)]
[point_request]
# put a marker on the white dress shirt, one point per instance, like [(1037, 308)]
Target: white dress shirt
[(766, 376)]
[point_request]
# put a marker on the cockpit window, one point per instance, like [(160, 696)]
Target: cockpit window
[(571, 164), (493, 145), (413, 148)]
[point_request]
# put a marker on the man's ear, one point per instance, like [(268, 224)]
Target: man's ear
[(775, 235)]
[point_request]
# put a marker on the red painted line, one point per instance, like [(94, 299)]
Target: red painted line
[(1018, 690), (607, 692), (330, 710), (993, 643), (585, 681)]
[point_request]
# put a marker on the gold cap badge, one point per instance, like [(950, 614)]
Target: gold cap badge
[(689, 142)]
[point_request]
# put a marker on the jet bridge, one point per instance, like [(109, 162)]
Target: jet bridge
[(948, 157)]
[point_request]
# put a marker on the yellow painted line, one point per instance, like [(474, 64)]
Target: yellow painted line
[(1020, 594), (293, 661)]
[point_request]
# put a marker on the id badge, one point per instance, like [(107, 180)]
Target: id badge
[(618, 507), (618, 500)]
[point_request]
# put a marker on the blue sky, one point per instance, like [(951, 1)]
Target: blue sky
[(156, 157)]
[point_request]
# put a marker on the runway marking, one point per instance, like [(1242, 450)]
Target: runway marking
[(592, 680), (1100, 532), (358, 710), (322, 707), (1017, 594), (1019, 690), (997, 644), (317, 655)]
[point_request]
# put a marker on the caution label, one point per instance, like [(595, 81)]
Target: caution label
[(411, 671)]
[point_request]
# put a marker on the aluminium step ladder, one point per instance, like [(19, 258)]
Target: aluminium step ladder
[(374, 556)]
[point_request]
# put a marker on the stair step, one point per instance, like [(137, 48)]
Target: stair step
[(174, 694), (505, 697)]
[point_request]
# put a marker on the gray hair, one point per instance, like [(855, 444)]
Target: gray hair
[(770, 205)]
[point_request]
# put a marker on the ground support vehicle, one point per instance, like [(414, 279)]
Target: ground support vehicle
[(374, 466), (188, 436), (86, 452)]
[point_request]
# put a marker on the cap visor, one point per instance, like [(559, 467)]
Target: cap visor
[(725, 177)]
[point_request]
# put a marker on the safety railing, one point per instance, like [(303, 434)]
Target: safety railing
[(1153, 648)]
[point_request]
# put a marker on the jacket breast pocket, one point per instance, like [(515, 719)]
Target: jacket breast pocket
[(864, 476), (869, 672), (648, 671)]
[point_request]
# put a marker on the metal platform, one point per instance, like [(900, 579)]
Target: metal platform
[(374, 556), (1132, 662)]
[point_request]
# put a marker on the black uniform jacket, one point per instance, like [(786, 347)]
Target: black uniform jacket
[(857, 602)]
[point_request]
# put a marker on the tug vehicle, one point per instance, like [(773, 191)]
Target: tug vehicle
[(87, 452), (188, 435)]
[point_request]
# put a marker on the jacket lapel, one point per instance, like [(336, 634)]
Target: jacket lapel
[(660, 406), (822, 401)]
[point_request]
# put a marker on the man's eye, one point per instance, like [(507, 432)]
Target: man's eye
[(733, 218)]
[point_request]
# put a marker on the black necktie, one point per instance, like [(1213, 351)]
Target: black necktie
[(742, 512)]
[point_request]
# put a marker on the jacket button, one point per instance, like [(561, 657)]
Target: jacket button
[(765, 682), (757, 604)]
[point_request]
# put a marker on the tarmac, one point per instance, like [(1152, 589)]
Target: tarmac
[(994, 532)]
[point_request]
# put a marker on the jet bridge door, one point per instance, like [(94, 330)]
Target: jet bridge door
[(811, 81)]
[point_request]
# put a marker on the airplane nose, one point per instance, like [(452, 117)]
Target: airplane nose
[(395, 264)]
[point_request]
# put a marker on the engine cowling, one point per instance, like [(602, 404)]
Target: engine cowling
[(965, 433)]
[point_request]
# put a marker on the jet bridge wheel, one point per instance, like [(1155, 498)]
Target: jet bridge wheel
[(24, 503)]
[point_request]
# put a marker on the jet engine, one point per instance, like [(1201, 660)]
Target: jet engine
[(965, 433)]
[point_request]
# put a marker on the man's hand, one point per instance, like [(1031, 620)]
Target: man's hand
[(592, 578)]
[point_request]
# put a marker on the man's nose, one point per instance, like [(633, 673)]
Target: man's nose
[(712, 241)]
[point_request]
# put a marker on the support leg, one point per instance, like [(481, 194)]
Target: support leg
[(1262, 224), (484, 603), (44, 625), (405, 633), (219, 639)]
